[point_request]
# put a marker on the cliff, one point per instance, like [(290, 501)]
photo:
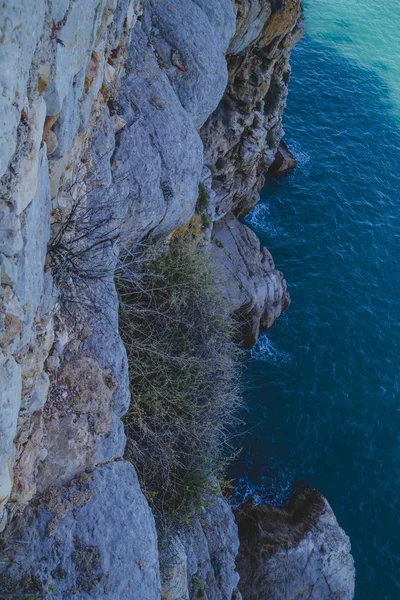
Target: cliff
[(126, 114)]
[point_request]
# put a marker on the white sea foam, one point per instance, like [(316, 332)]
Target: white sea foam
[(273, 490), (259, 216), (304, 161), (260, 220), (266, 351)]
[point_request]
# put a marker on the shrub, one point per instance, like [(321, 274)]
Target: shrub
[(183, 368), (83, 242), (203, 198), (198, 586)]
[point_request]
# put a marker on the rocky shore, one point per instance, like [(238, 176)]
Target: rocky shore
[(134, 112)]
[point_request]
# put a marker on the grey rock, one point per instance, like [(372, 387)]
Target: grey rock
[(94, 539), (221, 18), (298, 552), (254, 291), (59, 8), (173, 571), (11, 241), (25, 185), (31, 260), (202, 558), (241, 137), (68, 123), (19, 36), (11, 386), (200, 76), (124, 11), (51, 142), (254, 16), (77, 37), (284, 161), (104, 341), (78, 415), (161, 191)]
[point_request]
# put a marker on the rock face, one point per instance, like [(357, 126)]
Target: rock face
[(297, 552), (242, 135), (254, 291), (199, 562), (241, 139), (284, 161), (125, 113), (83, 542)]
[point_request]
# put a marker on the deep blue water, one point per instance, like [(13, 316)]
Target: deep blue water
[(323, 396)]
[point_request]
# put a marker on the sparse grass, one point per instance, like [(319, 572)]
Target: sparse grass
[(183, 368), (205, 221), (202, 200), (198, 586)]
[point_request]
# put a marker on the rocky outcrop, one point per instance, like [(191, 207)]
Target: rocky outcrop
[(284, 161), (296, 552), (254, 291), (241, 139), (242, 135), (199, 562)]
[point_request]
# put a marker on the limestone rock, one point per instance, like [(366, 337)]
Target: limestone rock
[(19, 36), (298, 552), (200, 561), (77, 414), (193, 59), (10, 385), (173, 571), (101, 542), (241, 137), (26, 184), (76, 37), (164, 146), (255, 292)]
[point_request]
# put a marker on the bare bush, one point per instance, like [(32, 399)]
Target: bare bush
[(184, 375)]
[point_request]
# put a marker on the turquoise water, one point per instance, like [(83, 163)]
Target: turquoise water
[(324, 382)]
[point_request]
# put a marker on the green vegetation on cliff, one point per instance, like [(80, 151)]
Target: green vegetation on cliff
[(183, 368)]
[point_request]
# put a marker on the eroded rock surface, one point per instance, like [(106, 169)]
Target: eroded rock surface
[(199, 562), (284, 161), (298, 552), (83, 541), (255, 292), (242, 135)]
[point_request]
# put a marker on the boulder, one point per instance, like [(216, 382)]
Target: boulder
[(295, 552), (284, 161), (254, 291)]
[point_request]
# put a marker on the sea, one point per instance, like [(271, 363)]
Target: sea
[(323, 384)]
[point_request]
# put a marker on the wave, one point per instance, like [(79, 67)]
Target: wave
[(259, 219), (273, 490), (266, 351), (304, 161)]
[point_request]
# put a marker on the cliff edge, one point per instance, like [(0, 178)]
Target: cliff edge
[(122, 122)]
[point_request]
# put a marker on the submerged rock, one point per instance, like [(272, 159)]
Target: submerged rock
[(298, 552)]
